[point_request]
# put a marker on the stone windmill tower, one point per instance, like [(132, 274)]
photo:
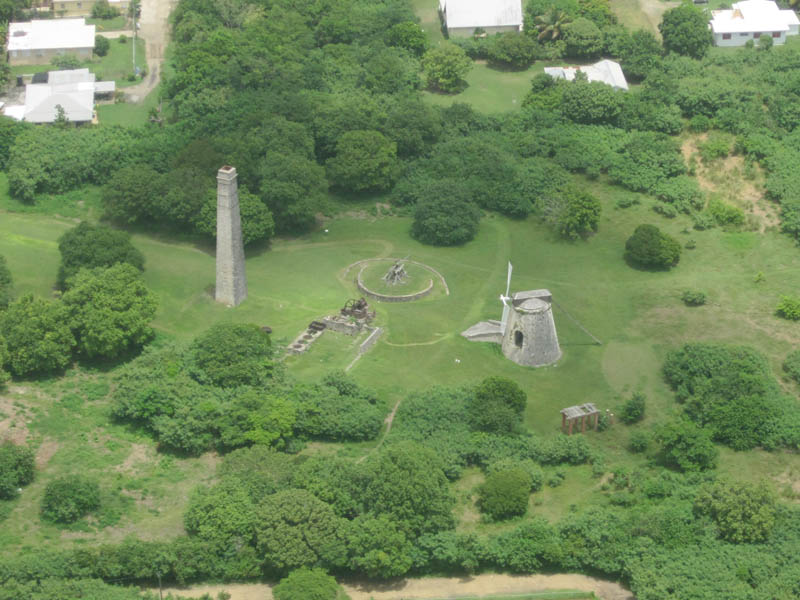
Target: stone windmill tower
[(231, 288), (526, 331)]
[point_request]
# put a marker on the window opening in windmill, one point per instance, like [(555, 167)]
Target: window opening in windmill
[(518, 338)]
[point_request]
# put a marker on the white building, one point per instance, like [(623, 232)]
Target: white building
[(463, 17), (749, 19), (38, 42), (605, 71), (73, 90)]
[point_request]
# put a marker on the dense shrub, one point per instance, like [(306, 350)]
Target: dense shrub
[(90, 246), (639, 441), (725, 214), (364, 161), (533, 470), (693, 298), (684, 30), (572, 212), (645, 160), (256, 218), (789, 308), (101, 45), (37, 335), (632, 411), (686, 446), (731, 391), (308, 584), (717, 145), (445, 67), (69, 498), (109, 310), (450, 220), (16, 468), (649, 247), (583, 38), (497, 405), (5, 283), (591, 103), (743, 512), (505, 494), (512, 49), (229, 355), (528, 548), (791, 365), (682, 192)]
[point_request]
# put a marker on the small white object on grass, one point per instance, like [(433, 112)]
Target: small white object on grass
[(458, 361), (326, 231)]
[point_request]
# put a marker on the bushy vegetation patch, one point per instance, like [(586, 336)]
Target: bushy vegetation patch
[(505, 494), (69, 498), (731, 391), (651, 248), (17, 469)]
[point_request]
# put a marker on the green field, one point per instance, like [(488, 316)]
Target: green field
[(638, 316), (115, 24)]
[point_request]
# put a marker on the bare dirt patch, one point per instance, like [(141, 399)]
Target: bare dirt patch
[(139, 454), (14, 415), (435, 587), (45, 452), (726, 177)]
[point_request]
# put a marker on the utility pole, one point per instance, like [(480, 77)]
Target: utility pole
[(133, 13)]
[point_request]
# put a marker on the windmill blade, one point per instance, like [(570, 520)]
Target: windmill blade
[(504, 318), (508, 278)]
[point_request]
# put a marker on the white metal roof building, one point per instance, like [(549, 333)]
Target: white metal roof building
[(605, 71), (749, 19), (40, 40), (462, 17), (73, 90)]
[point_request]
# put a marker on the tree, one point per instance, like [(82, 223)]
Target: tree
[(308, 584), (90, 246), (513, 49), (497, 405), (583, 38), (378, 548), (444, 217), (101, 45), (573, 212), (5, 283), (406, 482), (684, 30), (69, 498), (686, 446), (632, 411), (408, 35), (109, 310), (650, 248), (743, 512), (17, 468), (591, 103), (222, 516), (765, 41), (256, 218), (4, 358), (295, 529), (294, 189), (640, 54), (230, 355), (505, 494), (103, 10), (133, 194), (445, 67), (550, 25), (37, 335), (364, 161)]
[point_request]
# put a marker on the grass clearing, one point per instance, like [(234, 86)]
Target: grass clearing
[(116, 24), (128, 114)]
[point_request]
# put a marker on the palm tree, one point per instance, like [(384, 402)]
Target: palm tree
[(550, 24)]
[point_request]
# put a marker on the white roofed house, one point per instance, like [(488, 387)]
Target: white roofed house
[(74, 91), (604, 71), (749, 19), (463, 17), (38, 42)]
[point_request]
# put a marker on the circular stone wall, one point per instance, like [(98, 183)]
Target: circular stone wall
[(421, 280)]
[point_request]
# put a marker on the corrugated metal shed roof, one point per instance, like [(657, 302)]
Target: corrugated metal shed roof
[(482, 13)]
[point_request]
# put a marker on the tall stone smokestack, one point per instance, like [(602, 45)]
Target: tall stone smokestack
[(231, 279)]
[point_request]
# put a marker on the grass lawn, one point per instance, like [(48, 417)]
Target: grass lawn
[(115, 24), (638, 315), (490, 90), (116, 65), (128, 113)]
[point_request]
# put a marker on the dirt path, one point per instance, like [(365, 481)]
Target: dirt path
[(435, 587), (154, 30)]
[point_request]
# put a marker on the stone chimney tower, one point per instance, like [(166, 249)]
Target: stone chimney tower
[(231, 286)]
